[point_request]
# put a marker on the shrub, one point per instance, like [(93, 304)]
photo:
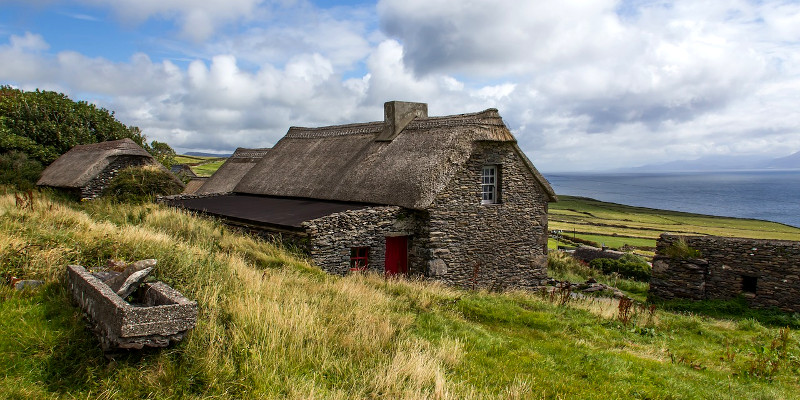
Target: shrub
[(139, 184), (18, 170), (679, 249), (628, 266)]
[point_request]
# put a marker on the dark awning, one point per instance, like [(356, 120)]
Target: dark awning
[(274, 211)]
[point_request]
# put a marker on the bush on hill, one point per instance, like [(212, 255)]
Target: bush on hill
[(139, 184), (628, 266)]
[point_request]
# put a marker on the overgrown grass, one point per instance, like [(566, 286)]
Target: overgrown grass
[(273, 326)]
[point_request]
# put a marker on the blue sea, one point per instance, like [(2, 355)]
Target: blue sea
[(766, 195)]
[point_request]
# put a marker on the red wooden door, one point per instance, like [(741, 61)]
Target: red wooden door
[(396, 260)]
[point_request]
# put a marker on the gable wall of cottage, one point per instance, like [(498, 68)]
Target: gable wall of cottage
[(331, 238), (723, 268), (494, 246), (98, 184)]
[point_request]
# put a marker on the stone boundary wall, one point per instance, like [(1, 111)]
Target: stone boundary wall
[(589, 253), (766, 272)]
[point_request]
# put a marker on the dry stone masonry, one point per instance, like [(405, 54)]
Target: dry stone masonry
[(495, 246), (766, 272)]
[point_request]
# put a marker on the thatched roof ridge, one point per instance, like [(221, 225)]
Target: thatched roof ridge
[(486, 119), (347, 163), (232, 171), (75, 168), (243, 153)]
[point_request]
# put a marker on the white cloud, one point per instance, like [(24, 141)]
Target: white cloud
[(198, 20), (583, 85)]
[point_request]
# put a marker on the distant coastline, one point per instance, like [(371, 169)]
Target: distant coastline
[(771, 195)]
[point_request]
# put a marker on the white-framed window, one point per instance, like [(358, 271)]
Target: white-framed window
[(489, 184)]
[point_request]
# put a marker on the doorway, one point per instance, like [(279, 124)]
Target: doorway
[(396, 260)]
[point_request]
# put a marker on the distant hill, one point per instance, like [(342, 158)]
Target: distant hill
[(724, 163), (788, 162), (201, 154)]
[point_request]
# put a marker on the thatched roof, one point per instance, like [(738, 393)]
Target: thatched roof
[(75, 168), (349, 163), (271, 211), (232, 171), (194, 185)]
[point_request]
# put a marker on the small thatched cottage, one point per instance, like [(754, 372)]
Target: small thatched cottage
[(183, 172), (452, 198), (232, 171), (87, 169)]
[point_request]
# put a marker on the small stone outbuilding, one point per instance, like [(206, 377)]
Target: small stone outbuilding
[(87, 169), (452, 198), (765, 272), (183, 172)]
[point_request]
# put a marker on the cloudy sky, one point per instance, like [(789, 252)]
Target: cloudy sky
[(584, 85)]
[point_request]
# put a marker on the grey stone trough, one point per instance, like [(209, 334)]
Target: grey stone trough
[(159, 316)]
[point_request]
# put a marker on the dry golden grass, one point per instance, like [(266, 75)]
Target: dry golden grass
[(271, 325)]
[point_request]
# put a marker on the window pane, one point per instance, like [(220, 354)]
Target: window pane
[(489, 184)]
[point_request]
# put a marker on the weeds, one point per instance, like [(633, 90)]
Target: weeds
[(625, 310), (679, 249), (770, 357)]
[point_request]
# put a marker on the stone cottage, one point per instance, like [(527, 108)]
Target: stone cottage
[(452, 198), (87, 169), (765, 272), (232, 171)]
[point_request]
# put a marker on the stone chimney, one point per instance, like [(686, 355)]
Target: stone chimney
[(397, 115)]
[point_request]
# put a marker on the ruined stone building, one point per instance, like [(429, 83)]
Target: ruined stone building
[(86, 170), (763, 271), (452, 198)]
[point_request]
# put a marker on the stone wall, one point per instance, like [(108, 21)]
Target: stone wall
[(331, 237), (493, 246), (766, 272), (589, 253), (96, 186)]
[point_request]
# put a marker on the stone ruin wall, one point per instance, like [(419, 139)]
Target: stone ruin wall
[(766, 272)]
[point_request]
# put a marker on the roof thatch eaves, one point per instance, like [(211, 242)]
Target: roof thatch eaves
[(79, 165), (346, 163), (232, 170)]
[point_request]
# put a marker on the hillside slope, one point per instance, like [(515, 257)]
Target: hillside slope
[(273, 326)]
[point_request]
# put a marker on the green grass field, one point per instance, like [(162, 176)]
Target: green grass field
[(617, 225), (202, 166), (271, 325)]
